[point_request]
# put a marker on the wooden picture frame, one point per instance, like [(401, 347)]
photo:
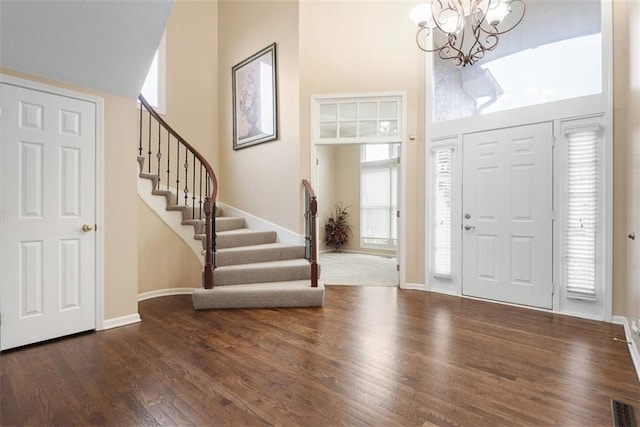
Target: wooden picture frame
[(254, 85)]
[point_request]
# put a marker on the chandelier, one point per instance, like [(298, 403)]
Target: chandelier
[(463, 30)]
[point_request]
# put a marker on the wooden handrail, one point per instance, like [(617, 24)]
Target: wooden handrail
[(311, 214), (209, 205)]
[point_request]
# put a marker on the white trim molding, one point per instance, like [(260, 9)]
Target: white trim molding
[(633, 347), (412, 286), (116, 322), (165, 293)]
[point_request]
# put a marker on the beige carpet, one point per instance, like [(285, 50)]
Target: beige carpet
[(344, 268)]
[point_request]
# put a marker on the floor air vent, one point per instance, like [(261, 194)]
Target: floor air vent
[(623, 415)]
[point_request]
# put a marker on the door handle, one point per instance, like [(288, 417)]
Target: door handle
[(469, 227), (87, 227)]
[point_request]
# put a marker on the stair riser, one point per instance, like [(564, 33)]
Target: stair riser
[(261, 275), (225, 297)]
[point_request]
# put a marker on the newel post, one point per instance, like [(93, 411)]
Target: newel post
[(207, 277), (314, 254)]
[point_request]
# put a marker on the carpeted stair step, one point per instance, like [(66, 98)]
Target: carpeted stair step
[(297, 293), (243, 237), (273, 271), (258, 253)]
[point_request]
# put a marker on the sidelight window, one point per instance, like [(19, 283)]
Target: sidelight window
[(582, 211)]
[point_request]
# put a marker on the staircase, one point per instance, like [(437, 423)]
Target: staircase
[(251, 268)]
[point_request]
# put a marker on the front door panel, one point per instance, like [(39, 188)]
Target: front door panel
[(507, 215)]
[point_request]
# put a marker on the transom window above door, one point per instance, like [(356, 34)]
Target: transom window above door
[(367, 120)]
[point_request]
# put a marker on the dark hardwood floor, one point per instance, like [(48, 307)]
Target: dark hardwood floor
[(373, 356)]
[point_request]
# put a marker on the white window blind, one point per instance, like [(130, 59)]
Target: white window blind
[(582, 218), (443, 182), (378, 195)]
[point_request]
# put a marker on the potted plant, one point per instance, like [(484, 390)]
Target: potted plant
[(337, 228)]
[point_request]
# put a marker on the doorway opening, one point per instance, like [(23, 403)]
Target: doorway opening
[(355, 163), (363, 180)]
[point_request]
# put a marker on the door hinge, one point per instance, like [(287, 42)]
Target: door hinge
[(398, 160), (397, 214), (317, 162), (553, 215), (1, 111), (398, 267)]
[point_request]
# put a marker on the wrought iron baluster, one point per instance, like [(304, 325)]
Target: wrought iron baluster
[(149, 152), (193, 189), (200, 196), (168, 157), (178, 173), (159, 155), (186, 176), (213, 235), (140, 144)]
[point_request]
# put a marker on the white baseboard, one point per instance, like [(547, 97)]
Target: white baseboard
[(413, 286), (256, 223), (116, 322), (633, 347), (165, 293)]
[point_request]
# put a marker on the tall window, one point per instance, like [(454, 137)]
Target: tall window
[(582, 211), (378, 195), (153, 88), (442, 210), (557, 66)]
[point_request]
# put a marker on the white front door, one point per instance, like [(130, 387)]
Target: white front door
[(507, 215), (48, 207)]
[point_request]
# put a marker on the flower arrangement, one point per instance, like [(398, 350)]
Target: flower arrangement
[(337, 228)]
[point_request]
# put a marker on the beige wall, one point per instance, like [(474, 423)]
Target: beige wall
[(164, 259), (368, 46), (120, 231), (626, 254), (264, 179), (192, 74)]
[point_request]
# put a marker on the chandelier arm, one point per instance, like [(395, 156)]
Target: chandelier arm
[(427, 32), (452, 5), (490, 40), (450, 51), (494, 28)]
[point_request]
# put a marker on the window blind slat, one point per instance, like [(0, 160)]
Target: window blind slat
[(443, 182), (582, 213)]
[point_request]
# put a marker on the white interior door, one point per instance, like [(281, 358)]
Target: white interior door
[(47, 198), (507, 208)]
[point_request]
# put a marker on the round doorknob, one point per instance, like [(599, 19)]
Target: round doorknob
[(87, 227)]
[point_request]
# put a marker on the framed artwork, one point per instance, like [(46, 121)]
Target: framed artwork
[(255, 115)]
